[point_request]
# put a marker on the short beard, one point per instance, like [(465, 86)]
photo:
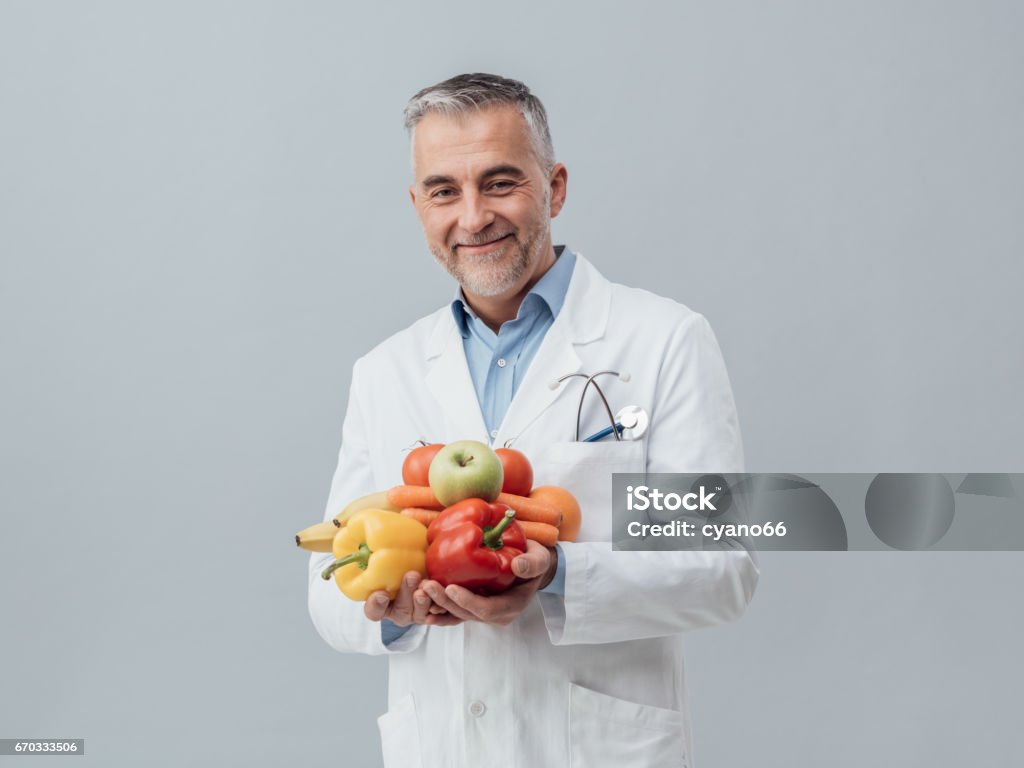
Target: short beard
[(494, 273)]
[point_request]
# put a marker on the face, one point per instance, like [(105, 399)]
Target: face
[(483, 199)]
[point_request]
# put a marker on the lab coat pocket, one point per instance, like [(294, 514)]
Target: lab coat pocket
[(585, 470), (608, 732), (400, 735)]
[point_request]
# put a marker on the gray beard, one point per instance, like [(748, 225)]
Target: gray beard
[(494, 273)]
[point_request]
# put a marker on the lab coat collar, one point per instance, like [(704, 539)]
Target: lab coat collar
[(583, 320), (587, 303)]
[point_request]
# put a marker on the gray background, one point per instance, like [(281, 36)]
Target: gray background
[(203, 222)]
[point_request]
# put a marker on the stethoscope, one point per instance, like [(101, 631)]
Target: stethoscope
[(631, 422)]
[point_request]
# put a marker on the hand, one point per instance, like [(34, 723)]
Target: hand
[(536, 567), (410, 606)]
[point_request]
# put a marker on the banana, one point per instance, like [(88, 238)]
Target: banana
[(377, 500), (319, 537)]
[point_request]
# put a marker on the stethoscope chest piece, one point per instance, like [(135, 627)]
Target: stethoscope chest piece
[(634, 421)]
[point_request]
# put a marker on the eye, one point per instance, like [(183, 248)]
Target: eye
[(444, 193), (502, 186)]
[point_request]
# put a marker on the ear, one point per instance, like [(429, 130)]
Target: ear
[(559, 181), (412, 195)]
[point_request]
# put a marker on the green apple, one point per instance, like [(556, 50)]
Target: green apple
[(466, 469)]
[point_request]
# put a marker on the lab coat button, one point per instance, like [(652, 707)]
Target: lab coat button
[(494, 433), (501, 362), (477, 709)]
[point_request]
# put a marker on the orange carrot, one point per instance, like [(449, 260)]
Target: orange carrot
[(531, 510), (425, 516), (414, 496), (540, 532)]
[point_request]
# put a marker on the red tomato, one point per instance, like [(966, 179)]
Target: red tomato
[(416, 467), (518, 472)]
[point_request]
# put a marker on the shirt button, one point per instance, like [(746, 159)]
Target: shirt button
[(501, 362), (477, 709), (494, 433)]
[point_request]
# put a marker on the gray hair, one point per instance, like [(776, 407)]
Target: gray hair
[(460, 95)]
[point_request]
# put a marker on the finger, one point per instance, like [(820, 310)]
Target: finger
[(500, 610), (401, 609), (443, 620), (434, 608), (437, 594), (470, 602), (532, 563), (422, 605), (376, 605)]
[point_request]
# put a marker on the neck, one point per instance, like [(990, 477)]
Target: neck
[(496, 310)]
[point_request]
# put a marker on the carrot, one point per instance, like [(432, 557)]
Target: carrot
[(425, 516), (531, 510), (421, 496), (542, 533)]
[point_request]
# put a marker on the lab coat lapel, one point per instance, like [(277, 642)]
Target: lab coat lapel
[(449, 381), (555, 358), (581, 321)]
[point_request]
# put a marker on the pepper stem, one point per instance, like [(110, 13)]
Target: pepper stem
[(360, 557), (492, 536)]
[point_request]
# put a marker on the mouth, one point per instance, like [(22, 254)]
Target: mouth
[(483, 248)]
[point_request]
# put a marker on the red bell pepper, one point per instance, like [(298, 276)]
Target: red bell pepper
[(472, 544)]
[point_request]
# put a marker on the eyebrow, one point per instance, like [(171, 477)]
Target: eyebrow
[(497, 170)]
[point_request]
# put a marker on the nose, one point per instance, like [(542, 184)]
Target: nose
[(475, 215)]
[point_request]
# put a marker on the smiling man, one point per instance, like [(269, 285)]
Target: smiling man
[(486, 196), (580, 662)]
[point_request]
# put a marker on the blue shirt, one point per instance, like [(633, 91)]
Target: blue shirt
[(498, 362)]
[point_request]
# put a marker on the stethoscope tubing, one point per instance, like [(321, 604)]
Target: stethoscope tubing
[(612, 429), (600, 392), (601, 434)]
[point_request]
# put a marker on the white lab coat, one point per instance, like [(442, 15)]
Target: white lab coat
[(595, 678)]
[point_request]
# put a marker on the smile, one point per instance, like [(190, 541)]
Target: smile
[(484, 248)]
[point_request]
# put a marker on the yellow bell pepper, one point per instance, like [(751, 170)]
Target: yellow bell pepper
[(375, 550)]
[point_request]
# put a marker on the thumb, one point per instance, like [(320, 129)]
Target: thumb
[(528, 565)]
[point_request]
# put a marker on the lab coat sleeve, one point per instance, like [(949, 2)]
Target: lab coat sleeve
[(339, 620), (617, 596)]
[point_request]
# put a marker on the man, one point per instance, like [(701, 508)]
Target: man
[(581, 661)]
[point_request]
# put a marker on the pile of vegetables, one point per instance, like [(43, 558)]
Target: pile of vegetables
[(463, 513)]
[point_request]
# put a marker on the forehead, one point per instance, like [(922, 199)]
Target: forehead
[(457, 145)]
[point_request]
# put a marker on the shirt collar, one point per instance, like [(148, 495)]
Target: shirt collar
[(550, 290)]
